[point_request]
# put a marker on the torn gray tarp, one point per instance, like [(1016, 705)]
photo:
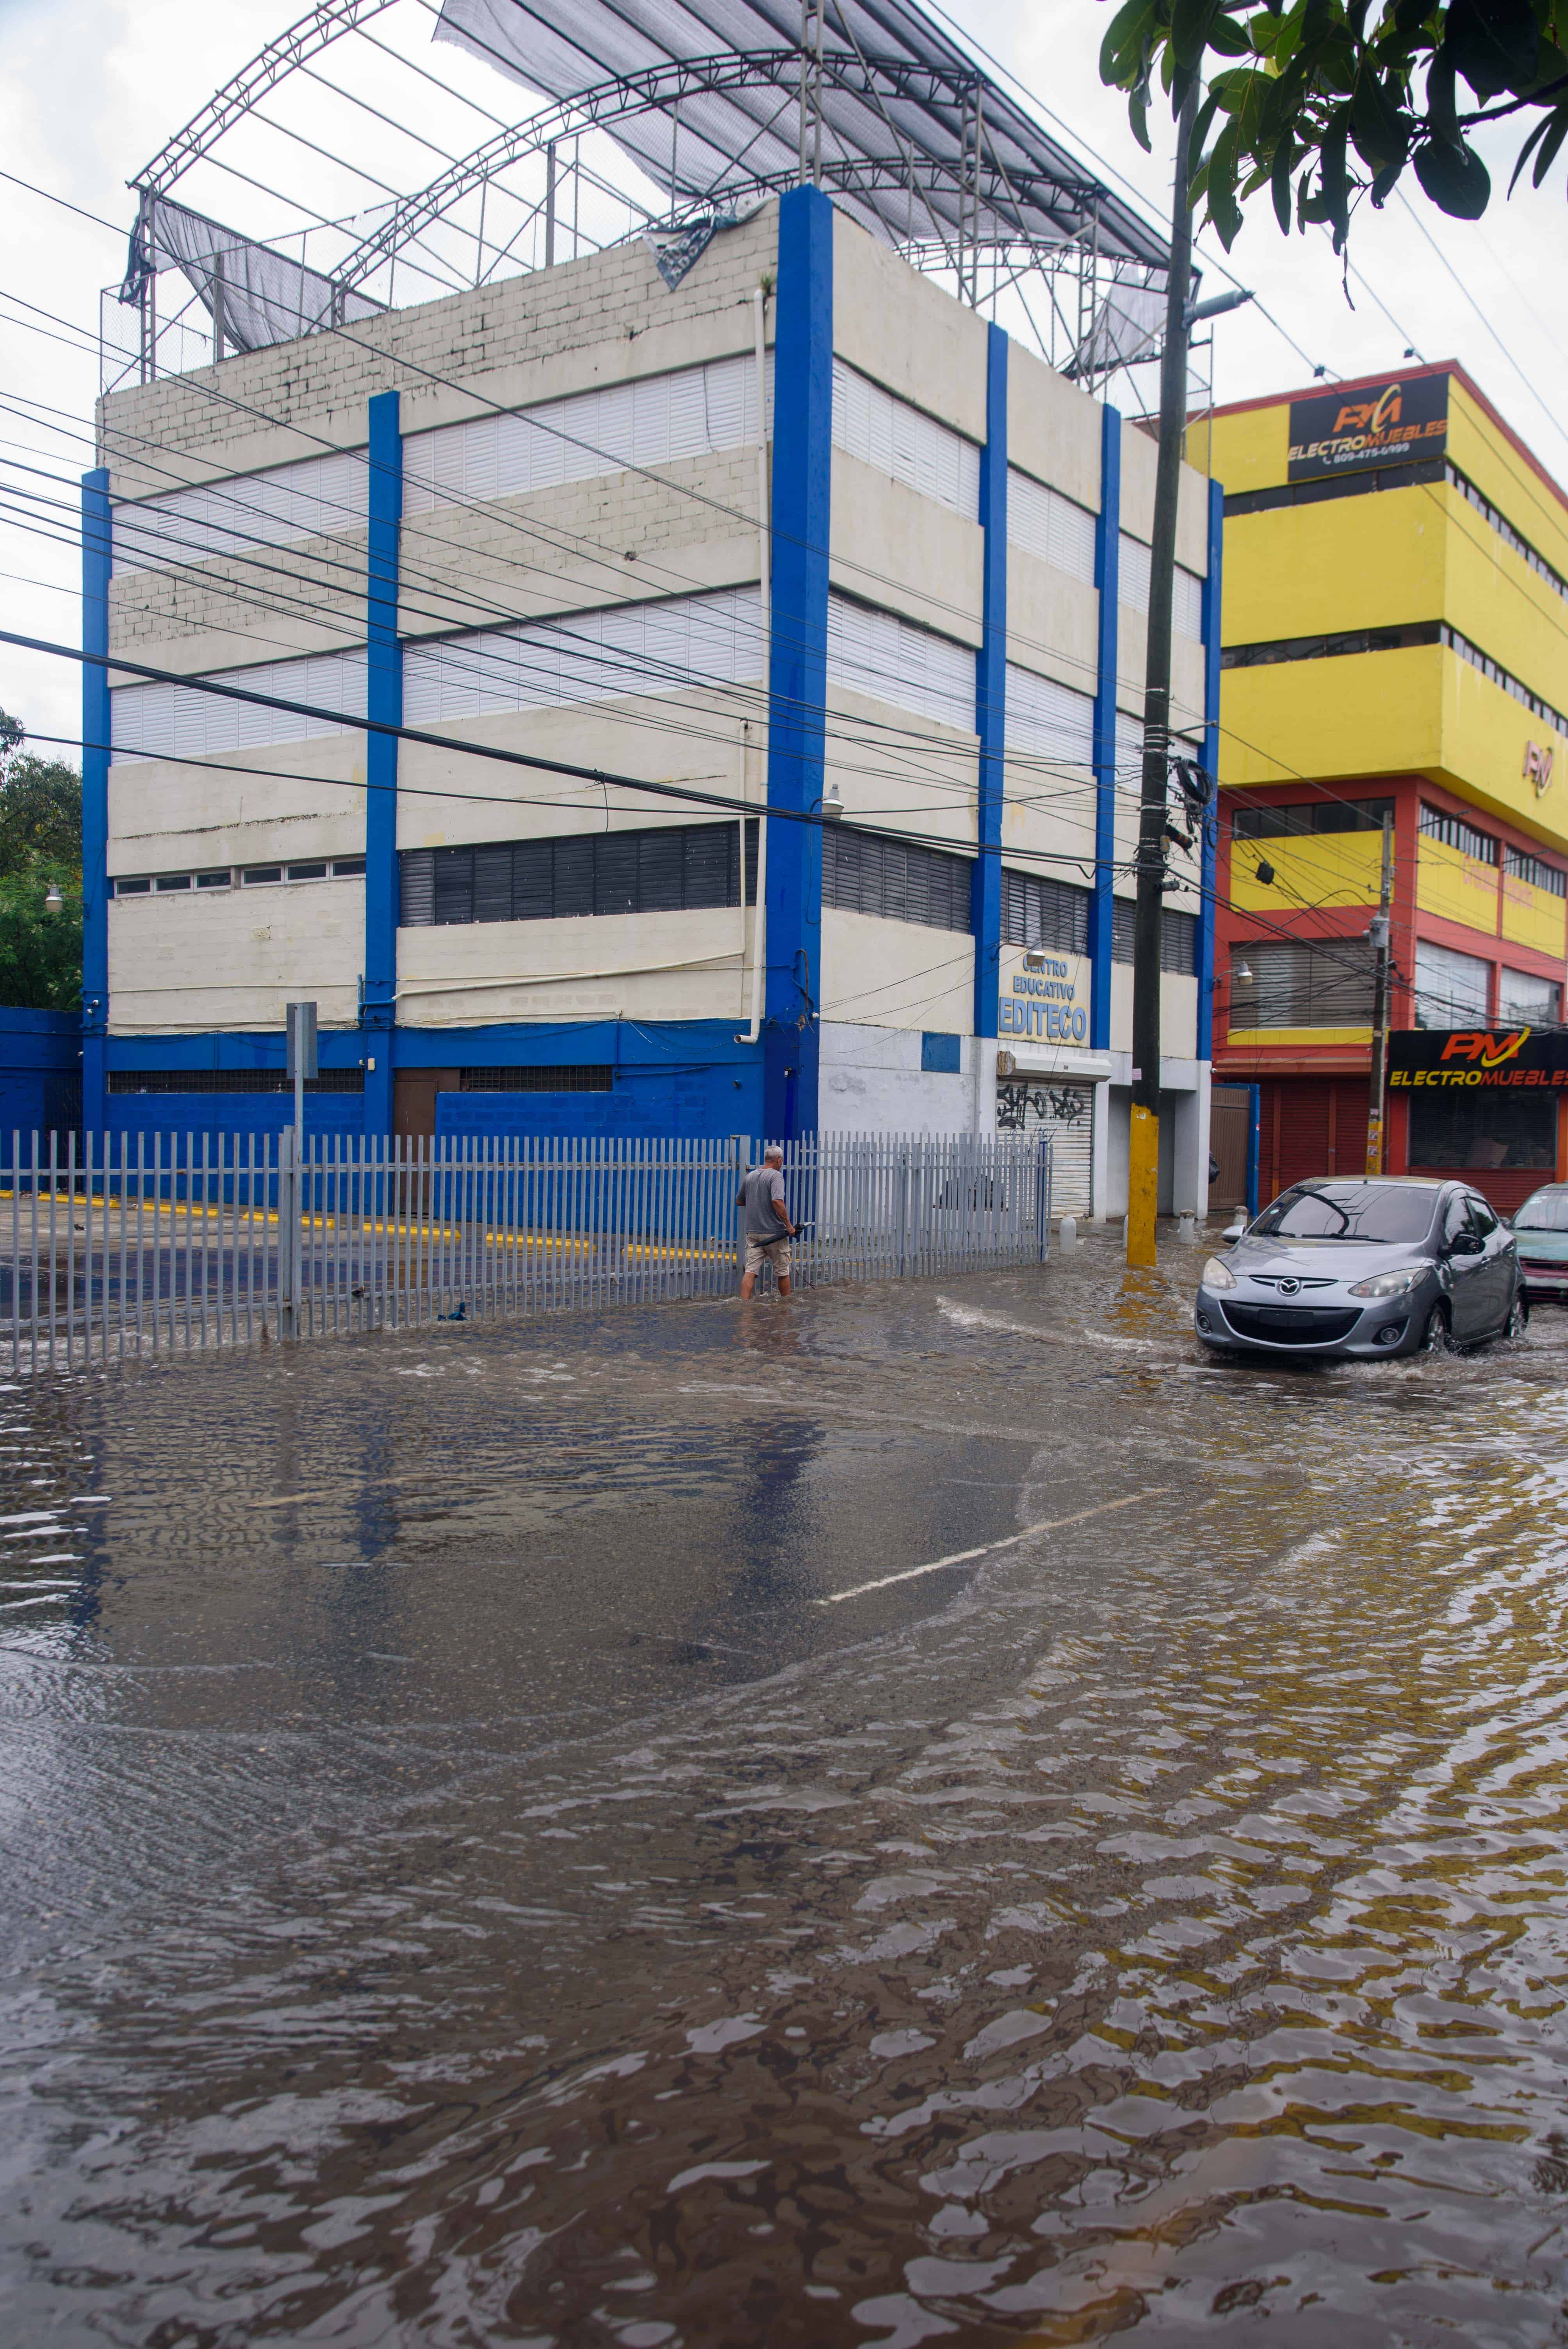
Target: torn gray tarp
[(259, 298), (676, 250)]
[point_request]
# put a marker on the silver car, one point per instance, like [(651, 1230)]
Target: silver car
[(1399, 1264)]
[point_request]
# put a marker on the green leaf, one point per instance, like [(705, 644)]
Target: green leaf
[(1540, 131), (1459, 184), (1380, 129), (1138, 114), (1190, 23), (1442, 110), (1553, 141), (1229, 39), (1317, 22), (1410, 16), (1281, 172), (1383, 185), (1121, 50), (1493, 43)]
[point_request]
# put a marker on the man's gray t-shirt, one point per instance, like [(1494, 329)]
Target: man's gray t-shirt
[(758, 1189)]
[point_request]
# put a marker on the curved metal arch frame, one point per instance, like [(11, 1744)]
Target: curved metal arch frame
[(326, 23), (664, 86)]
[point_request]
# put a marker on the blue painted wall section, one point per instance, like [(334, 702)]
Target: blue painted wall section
[(1106, 580), (40, 1077), (96, 559), (384, 690), (991, 691), (797, 669), (1213, 585)]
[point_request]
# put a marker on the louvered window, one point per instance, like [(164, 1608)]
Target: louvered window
[(174, 722), (651, 421), (874, 652), (903, 441), (315, 499), (669, 647), (1178, 940), (1047, 720), (1294, 984), (678, 868), (864, 873), (1051, 527), (1040, 911), (1186, 590)]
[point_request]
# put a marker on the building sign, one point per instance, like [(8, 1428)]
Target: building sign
[(1450, 1060), (1045, 1006), (1346, 432), (1538, 763)]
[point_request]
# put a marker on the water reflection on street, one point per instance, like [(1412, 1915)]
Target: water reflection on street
[(473, 1874)]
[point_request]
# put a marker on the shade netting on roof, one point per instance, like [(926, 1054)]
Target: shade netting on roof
[(901, 107)]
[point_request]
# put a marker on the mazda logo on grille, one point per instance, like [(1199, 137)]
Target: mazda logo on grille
[(1289, 1286)]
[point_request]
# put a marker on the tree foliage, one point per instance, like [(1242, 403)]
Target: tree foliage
[(40, 844), (1328, 101)]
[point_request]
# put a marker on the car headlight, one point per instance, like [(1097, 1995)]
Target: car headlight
[(1389, 1283), (1217, 1275)]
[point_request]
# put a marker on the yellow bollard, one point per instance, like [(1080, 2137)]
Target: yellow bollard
[(1142, 1185)]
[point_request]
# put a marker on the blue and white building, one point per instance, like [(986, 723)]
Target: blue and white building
[(801, 533)]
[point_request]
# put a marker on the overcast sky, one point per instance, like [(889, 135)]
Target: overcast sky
[(90, 89)]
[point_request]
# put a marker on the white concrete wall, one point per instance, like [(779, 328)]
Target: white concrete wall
[(904, 331), (871, 1081), (909, 553), (901, 772), (169, 818), (900, 974), (1053, 427), (602, 967), (234, 957)]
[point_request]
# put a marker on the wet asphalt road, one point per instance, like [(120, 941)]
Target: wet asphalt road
[(515, 1833)]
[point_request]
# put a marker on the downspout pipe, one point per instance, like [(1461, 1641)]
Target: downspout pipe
[(765, 560)]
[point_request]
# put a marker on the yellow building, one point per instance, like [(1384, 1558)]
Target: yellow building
[(1394, 639)]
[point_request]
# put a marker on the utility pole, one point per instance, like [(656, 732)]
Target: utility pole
[(1143, 1153), (1378, 933)]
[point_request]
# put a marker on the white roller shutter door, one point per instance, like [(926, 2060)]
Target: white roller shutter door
[(1063, 1112)]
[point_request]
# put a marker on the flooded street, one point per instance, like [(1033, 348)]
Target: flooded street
[(928, 1813)]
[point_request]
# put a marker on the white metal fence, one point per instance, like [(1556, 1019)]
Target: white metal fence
[(121, 1244)]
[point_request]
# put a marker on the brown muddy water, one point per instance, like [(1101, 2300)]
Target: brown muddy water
[(472, 1875)]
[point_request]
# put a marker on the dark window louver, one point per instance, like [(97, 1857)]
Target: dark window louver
[(1037, 911), (865, 873), (1178, 937), (678, 868)]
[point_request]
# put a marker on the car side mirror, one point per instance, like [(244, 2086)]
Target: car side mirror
[(1466, 1244)]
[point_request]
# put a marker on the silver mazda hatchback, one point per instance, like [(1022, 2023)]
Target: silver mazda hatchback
[(1397, 1265)]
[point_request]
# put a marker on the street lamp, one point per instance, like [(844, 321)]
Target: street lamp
[(54, 903), (1034, 958), (830, 806)]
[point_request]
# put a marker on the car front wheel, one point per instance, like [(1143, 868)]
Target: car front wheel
[(1434, 1338), (1518, 1320)]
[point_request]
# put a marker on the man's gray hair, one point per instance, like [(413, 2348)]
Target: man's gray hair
[(773, 1150)]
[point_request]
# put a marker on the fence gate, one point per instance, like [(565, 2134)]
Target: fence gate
[(121, 1244)]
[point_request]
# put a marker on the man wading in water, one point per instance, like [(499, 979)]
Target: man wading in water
[(768, 1230)]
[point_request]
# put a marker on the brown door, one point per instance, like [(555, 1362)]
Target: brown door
[(414, 1101), (1230, 1118)]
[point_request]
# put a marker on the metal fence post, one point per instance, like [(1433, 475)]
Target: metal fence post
[(288, 1235)]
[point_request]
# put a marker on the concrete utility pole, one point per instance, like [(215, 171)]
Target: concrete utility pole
[(1143, 1155), (1378, 933)]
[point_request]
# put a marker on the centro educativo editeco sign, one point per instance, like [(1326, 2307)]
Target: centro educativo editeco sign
[(1452, 1058), (1343, 432)]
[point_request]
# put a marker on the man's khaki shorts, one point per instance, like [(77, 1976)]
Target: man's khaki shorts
[(773, 1252)]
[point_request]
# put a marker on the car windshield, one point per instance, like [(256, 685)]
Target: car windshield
[(1546, 1211), (1349, 1210)]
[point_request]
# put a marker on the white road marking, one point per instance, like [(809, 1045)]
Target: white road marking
[(1010, 1541)]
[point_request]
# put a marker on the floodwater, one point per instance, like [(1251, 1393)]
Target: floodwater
[(482, 1866)]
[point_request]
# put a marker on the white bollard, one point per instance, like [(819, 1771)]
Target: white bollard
[(1066, 1236), (1187, 1228)]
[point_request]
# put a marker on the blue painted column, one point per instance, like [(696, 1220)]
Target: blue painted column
[(1212, 591), (384, 701), (798, 670), (96, 541), (991, 692), (1107, 580)]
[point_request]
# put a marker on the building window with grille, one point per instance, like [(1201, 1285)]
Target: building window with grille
[(865, 872), (1526, 1001), (673, 869), (1454, 833), (1301, 983), (1040, 911), (1178, 937), (1452, 990)]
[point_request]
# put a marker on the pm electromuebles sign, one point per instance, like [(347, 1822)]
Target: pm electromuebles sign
[(1341, 432), (1450, 1059)]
